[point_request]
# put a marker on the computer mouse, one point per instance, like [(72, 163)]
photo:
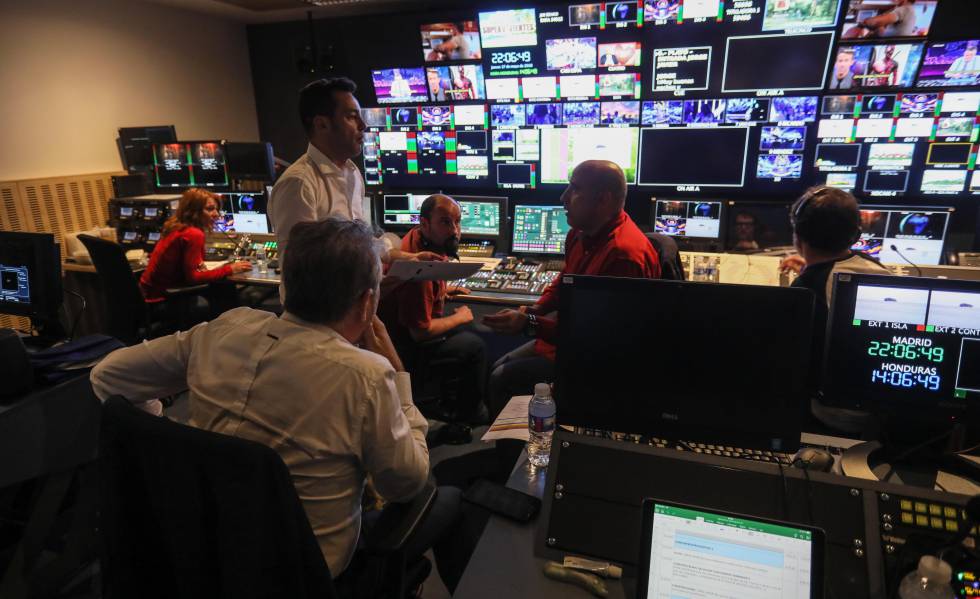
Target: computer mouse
[(812, 458)]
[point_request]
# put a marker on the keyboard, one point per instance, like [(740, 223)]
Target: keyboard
[(774, 457)]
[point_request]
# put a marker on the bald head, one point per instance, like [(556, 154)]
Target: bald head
[(434, 202), (595, 195)]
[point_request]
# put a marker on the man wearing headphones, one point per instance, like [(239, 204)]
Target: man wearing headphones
[(826, 223)]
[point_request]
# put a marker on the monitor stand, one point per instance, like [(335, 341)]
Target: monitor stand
[(915, 465)]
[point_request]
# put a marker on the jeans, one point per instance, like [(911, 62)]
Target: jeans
[(516, 373)]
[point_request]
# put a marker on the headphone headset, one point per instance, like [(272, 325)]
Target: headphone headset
[(802, 218)]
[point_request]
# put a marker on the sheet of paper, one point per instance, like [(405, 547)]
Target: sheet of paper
[(512, 421), (213, 264), (431, 271)]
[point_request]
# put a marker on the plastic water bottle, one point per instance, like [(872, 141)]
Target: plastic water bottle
[(540, 425), (260, 260), (929, 581)]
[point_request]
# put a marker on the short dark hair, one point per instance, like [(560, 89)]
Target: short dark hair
[(826, 218), (328, 265), (318, 99)]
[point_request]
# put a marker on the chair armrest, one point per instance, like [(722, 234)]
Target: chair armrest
[(398, 521), (192, 290)]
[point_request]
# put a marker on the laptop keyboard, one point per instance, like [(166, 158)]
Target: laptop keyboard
[(727, 451)]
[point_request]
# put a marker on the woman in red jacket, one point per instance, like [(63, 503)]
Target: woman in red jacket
[(178, 259)]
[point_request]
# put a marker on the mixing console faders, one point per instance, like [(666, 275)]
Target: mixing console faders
[(514, 275)]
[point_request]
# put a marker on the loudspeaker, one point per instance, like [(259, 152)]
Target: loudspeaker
[(16, 374)]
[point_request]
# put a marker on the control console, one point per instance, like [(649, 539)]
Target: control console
[(514, 275)]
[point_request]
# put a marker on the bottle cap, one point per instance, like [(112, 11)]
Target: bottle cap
[(542, 389), (935, 569)]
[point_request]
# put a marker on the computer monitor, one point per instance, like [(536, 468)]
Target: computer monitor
[(757, 226), (244, 212), (401, 211), (539, 230), (136, 145), (185, 164), (482, 216), (30, 276), (250, 160), (692, 551), (705, 362), (905, 347), (689, 220), (917, 234)]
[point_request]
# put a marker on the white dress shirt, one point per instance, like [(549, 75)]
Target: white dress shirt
[(333, 412), (312, 189)]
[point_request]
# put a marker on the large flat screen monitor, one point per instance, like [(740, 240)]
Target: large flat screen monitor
[(903, 234), (136, 145), (684, 360), (185, 164), (905, 346), (244, 212), (757, 226), (482, 217), (688, 219)]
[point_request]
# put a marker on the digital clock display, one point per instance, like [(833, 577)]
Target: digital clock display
[(510, 57)]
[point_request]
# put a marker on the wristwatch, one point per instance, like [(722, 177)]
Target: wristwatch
[(531, 326)]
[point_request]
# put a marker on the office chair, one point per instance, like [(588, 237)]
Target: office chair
[(193, 513), (669, 255), (129, 318)]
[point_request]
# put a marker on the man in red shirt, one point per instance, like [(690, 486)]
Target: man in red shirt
[(603, 241), (415, 312)]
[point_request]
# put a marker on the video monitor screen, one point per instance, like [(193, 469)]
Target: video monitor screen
[(670, 112), (622, 84), (581, 113), (516, 176), (747, 110), (244, 212), (754, 226), (671, 157), (507, 115), (950, 64), (480, 218), (539, 230), (683, 218), (865, 19), (472, 115), (404, 117), (681, 68), (619, 54), (508, 28), (436, 116), (374, 118), (578, 86), (918, 103), (620, 12), (190, 164), (585, 15), (136, 145), (919, 234), (875, 65), (782, 138), (801, 109), (503, 88), (544, 114), (792, 62), (571, 55), (908, 345), (968, 102), (780, 16), (402, 210), (451, 41), (620, 113), (779, 166), (395, 86), (456, 83), (563, 149)]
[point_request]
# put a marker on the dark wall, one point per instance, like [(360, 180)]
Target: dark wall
[(283, 61)]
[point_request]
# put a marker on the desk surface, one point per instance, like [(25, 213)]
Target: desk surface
[(254, 277), (503, 563)]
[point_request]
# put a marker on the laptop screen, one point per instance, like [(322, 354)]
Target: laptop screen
[(694, 552)]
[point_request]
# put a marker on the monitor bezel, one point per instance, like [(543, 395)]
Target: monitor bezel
[(503, 223), (45, 281), (214, 188)]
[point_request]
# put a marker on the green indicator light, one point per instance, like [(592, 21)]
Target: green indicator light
[(960, 393), (857, 322), (930, 328)]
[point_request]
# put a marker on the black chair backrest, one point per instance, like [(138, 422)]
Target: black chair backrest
[(192, 513), (670, 256), (126, 310)]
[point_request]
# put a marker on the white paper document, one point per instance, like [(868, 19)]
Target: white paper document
[(512, 421), (431, 271)]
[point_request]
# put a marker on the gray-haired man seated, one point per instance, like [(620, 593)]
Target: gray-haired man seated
[(322, 385)]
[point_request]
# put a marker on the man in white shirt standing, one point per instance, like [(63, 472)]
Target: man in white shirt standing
[(325, 181), (300, 384)]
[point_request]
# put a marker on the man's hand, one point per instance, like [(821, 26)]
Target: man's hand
[(241, 266), (454, 290), (510, 322), (463, 315), (794, 263), (376, 340)]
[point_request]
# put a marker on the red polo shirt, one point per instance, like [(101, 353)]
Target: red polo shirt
[(619, 249), (412, 305)]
